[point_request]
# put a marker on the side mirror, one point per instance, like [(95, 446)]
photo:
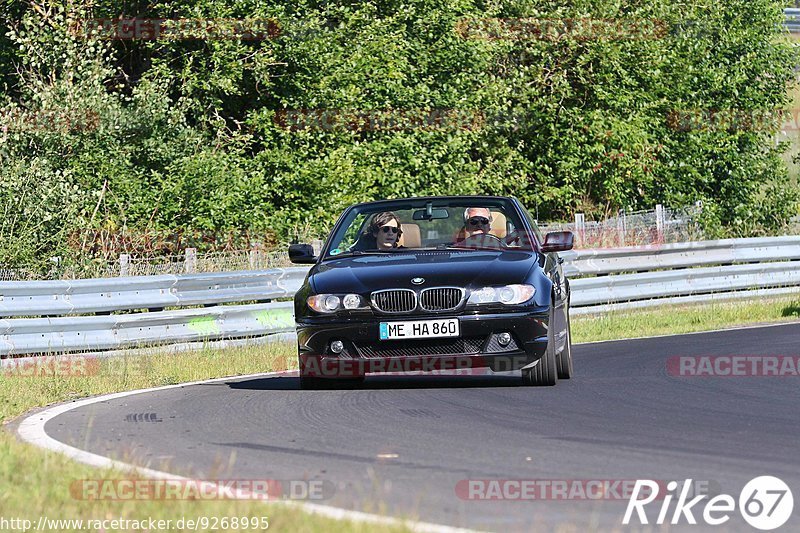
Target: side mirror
[(302, 254), (558, 241)]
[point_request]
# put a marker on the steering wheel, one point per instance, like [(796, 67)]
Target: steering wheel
[(511, 238), (482, 240)]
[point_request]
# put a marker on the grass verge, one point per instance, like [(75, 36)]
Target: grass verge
[(683, 319), (36, 483)]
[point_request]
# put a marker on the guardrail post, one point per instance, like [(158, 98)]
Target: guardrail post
[(660, 222), (254, 259), (124, 264), (580, 228), (621, 227), (190, 263)]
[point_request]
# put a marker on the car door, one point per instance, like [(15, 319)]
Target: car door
[(554, 270), (552, 265)]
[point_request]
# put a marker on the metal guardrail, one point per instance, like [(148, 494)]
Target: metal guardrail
[(56, 298), (676, 273), (601, 280), (792, 19), (90, 333), (680, 255), (694, 281)]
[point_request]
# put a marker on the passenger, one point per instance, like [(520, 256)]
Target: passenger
[(383, 233)]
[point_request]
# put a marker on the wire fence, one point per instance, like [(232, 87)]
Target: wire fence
[(193, 262), (190, 262), (19, 274), (640, 228)]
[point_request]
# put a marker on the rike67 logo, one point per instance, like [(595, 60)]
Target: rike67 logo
[(765, 503)]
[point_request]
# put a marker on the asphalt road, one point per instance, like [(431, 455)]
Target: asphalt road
[(402, 444)]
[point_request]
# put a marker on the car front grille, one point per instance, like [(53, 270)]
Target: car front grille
[(406, 300), (395, 300), (441, 298), (387, 349)]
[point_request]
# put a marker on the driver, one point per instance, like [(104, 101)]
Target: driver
[(477, 221)]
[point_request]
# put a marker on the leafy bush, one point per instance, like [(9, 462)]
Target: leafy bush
[(192, 134)]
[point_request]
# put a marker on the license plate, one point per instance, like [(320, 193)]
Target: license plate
[(419, 329)]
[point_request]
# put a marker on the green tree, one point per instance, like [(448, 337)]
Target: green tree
[(570, 105)]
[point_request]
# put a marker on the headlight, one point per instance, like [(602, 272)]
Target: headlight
[(482, 296), (352, 301), (508, 294), (324, 303), (330, 303)]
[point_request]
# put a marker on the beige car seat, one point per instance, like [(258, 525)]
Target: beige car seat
[(411, 236)]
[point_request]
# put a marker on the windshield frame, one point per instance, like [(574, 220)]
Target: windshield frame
[(509, 204)]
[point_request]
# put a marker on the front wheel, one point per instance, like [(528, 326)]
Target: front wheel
[(308, 383), (545, 373), (310, 380), (565, 357), (312, 383)]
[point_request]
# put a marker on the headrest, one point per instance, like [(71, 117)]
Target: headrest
[(411, 236), (498, 225)]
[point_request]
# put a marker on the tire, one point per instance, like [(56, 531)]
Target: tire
[(544, 374), (564, 363), (308, 383), (313, 383)]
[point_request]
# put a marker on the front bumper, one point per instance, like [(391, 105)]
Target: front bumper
[(477, 347)]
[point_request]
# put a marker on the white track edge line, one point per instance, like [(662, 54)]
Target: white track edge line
[(31, 430)]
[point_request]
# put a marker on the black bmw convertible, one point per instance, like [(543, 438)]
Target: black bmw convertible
[(434, 283)]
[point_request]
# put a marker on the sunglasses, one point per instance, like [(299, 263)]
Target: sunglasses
[(478, 221), (387, 229)]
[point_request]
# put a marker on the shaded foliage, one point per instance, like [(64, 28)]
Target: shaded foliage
[(190, 134)]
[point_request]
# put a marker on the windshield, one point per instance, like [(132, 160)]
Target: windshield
[(446, 224)]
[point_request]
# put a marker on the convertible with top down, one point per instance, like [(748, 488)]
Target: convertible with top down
[(421, 284)]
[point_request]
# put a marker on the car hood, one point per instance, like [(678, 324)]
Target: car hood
[(367, 273)]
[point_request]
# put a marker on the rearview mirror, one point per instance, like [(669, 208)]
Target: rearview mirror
[(432, 214), (302, 254), (558, 241)]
